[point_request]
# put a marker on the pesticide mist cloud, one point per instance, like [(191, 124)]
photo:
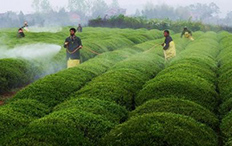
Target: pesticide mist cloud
[(29, 52), (45, 29)]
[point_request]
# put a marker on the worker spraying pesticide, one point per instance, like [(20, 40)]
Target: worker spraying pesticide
[(25, 26), (73, 45), (187, 33), (168, 46)]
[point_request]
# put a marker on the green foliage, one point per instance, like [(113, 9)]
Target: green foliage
[(111, 111), (119, 86), (191, 75), (225, 86), (29, 107), (122, 21), (11, 120), (60, 85), (161, 129), (226, 107), (39, 98), (123, 81), (65, 82), (178, 106), (196, 89), (15, 73), (97, 40), (65, 127), (226, 125), (195, 69), (81, 105)]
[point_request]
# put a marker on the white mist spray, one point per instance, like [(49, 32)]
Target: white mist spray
[(40, 55), (28, 52), (45, 29)]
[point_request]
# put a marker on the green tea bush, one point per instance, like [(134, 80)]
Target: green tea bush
[(195, 69), (64, 83), (32, 108), (161, 129), (124, 80), (119, 86), (111, 111), (225, 86), (195, 60), (226, 125), (11, 120), (179, 85), (191, 75), (15, 73), (226, 107), (178, 106), (65, 127)]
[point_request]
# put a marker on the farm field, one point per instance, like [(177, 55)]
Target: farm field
[(125, 94)]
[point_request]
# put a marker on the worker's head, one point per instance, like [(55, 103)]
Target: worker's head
[(166, 33), (20, 30), (185, 27), (72, 31)]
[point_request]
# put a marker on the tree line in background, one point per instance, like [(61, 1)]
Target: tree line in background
[(77, 11), (99, 13), (122, 21)]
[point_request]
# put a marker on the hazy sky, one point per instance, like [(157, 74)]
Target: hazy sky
[(131, 5)]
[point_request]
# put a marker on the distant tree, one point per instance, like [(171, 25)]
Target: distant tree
[(80, 5), (115, 4), (21, 18), (99, 8), (182, 13), (45, 6), (137, 13), (228, 19), (204, 11), (36, 5), (159, 11)]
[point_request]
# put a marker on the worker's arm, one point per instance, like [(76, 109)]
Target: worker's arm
[(66, 43), (167, 43)]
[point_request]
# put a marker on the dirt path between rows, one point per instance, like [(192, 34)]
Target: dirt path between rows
[(6, 96)]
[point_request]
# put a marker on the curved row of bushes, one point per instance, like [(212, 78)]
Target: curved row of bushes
[(225, 86), (16, 73), (193, 71), (175, 108), (89, 119), (97, 40), (85, 115), (161, 129), (83, 123), (124, 80), (56, 88)]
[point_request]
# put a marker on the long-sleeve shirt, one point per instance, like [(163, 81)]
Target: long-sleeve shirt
[(73, 43), (184, 31), (167, 41)]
